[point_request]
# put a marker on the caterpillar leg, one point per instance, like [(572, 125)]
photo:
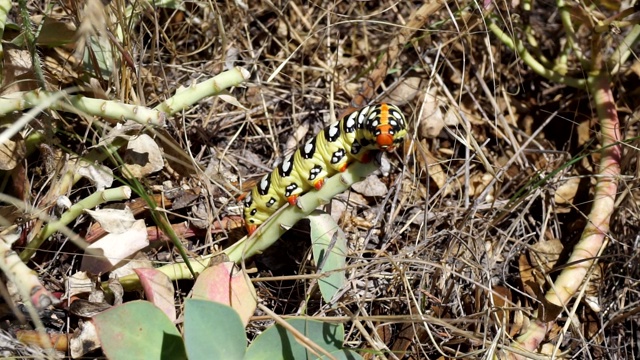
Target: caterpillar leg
[(318, 184), (293, 199), (251, 228)]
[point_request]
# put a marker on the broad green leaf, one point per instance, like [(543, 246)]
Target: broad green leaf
[(277, 343), (329, 251), (138, 330), (213, 331)]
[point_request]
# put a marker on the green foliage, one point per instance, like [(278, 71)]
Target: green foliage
[(139, 330), (213, 331), (329, 251), (276, 343)]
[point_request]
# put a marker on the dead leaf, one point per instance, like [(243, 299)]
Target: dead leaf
[(99, 175), (231, 100), (478, 182), (405, 92), (113, 220), (566, 192), (436, 172), (18, 74), (84, 341), (371, 186), (537, 263), (545, 254), (142, 157), (501, 297), (12, 151), (431, 121), (518, 321), (106, 253)]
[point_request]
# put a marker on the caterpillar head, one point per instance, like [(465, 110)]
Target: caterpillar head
[(385, 126)]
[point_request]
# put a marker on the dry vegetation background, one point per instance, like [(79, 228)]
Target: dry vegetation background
[(478, 210)]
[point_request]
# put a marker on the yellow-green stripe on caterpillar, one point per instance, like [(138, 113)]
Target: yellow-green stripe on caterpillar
[(372, 128)]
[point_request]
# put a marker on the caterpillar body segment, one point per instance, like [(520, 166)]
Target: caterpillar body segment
[(353, 138)]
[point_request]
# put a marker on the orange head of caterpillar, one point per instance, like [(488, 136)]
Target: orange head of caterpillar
[(387, 125)]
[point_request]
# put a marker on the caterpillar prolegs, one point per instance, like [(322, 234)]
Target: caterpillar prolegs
[(372, 128)]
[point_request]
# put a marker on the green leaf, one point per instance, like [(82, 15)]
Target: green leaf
[(329, 252), (213, 331), (138, 330), (102, 52), (277, 343)]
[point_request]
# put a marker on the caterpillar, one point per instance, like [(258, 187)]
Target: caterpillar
[(352, 138)]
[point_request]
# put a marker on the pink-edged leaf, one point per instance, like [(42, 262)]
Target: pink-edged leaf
[(158, 289), (226, 284)]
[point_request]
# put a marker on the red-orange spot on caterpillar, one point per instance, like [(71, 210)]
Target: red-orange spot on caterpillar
[(318, 184), (293, 200)]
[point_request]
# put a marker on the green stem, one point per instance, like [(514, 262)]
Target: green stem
[(81, 105), (622, 53), (97, 198), (534, 64), (186, 97), (565, 17), (593, 239)]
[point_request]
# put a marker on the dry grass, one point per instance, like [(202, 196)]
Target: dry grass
[(471, 207)]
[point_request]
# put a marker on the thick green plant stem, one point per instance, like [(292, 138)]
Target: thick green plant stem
[(269, 232), (100, 197), (186, 97), (593, 240), (518, 46), (118, 111), (597, 228), (33, 294), (624, 50), (81, 105), (567, 24)]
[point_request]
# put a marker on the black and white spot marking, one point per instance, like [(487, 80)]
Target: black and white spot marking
[(264, 185), (337, 156), (314, 172), (290, 189)]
